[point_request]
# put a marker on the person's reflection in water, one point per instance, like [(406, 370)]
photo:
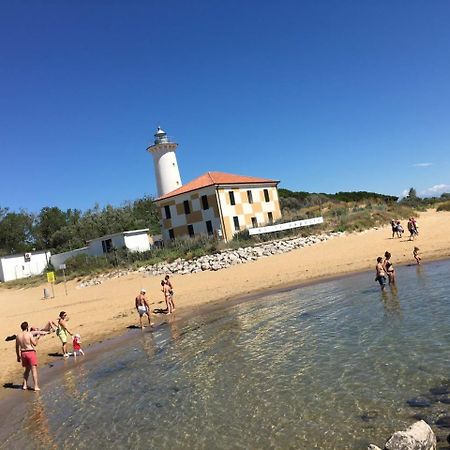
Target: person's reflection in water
[(173, 327), (74, 383), (390, 301), (148, 344), (39, 425)]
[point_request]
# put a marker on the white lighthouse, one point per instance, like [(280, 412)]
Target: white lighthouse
[(165, 161)]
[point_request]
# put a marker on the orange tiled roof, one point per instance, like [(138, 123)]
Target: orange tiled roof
[(212, 179)]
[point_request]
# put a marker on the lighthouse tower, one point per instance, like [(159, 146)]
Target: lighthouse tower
[(165, 161)]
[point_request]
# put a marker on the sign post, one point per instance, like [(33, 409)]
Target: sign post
[(63, 268), (51, 280)]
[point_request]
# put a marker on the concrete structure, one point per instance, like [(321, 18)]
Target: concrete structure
[(61, 258), (23, 265), (219, 204), (135, 241), (165, 163)]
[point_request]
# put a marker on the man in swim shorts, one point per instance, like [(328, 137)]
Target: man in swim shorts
[(380, 273), (142, 307), (26, 354)]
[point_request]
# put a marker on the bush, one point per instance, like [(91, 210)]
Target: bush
[(444, 206)]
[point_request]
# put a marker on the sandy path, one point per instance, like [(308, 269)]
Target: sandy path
[(104, 310)]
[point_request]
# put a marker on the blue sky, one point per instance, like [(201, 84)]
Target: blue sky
[(325, 96)]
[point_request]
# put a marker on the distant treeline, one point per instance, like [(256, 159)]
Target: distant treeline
[(59, 231), (308, 198)]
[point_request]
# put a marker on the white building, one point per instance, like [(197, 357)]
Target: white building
[(215, 203), (14, 267), (134, 241), (165, 163)]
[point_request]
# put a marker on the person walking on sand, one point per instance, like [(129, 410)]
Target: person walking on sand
[(416, 255), (389, 268), (412, 228), (26, 354), (63, 331), (142, 307), (400, 229), (380, 274), (167, 296), (394, 228), (169, 283)]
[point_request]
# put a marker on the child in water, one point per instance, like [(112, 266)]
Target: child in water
[(416, 255), (76, 343)]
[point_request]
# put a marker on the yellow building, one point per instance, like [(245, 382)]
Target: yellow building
[(219, 204), (216, 204)]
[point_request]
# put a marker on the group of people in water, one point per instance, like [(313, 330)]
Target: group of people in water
[(398, 230), (384, 269)]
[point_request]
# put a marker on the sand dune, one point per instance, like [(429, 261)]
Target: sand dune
[(100, 311)]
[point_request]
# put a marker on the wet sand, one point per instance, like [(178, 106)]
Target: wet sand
[(104, 311)]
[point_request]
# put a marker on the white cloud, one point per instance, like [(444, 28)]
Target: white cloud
[(426, 164), (435, 191)]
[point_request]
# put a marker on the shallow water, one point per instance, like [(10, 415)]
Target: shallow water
[(326, 366)]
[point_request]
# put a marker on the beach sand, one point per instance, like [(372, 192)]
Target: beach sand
[(105, 310)]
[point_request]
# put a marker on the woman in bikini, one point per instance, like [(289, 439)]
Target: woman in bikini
[(389, 268)]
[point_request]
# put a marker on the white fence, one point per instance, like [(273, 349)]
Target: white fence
[(286, 226)]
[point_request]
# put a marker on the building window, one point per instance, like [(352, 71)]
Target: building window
[(191, 230), (250, 196), (107, 246), (205, 204), (209, 227), (171, 234), (236, 223), (167, 212), (270, 217), (254, 222), (266, 195), (187, 209), (232, 200)]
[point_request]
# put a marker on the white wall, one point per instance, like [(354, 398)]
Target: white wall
[(14, 267), (137, 242), (61, 258)]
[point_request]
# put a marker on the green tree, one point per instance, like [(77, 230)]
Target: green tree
[(48, 222), (16, 232)]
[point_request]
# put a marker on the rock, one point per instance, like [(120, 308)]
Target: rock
[(369, 415), (419, 436), (441, 390), (443, 422), (419, 402), (373, 447)]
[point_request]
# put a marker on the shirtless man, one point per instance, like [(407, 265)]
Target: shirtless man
[(26, 353), (142, 307), (380, 273)]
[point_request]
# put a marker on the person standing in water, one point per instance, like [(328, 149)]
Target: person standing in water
[(416, 255), (389, 268), (63, 331), (26, 354), (380, 274), (142, 307)]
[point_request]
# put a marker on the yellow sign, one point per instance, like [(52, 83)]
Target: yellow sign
[(51, 277)]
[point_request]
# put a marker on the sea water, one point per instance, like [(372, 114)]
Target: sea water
[(325, 366)]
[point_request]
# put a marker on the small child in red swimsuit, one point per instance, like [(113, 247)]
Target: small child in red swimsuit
[(76, 343)]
